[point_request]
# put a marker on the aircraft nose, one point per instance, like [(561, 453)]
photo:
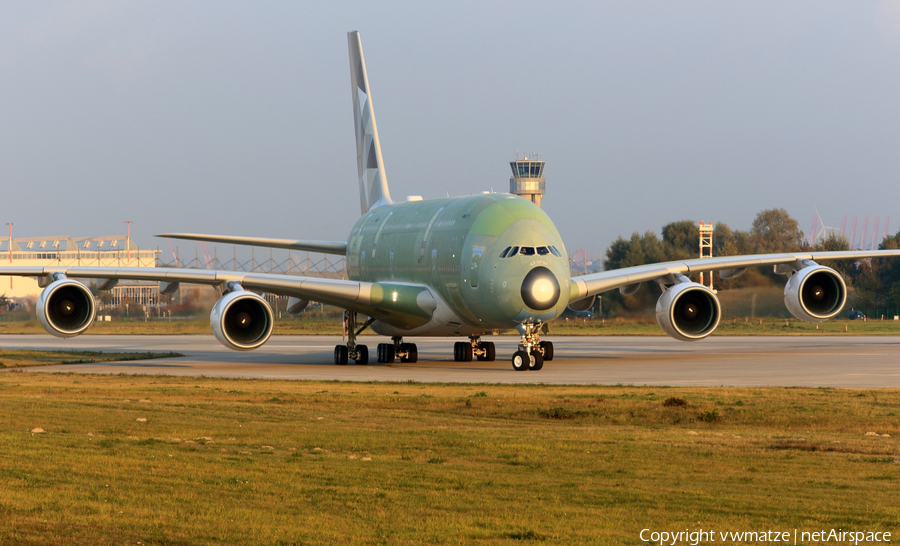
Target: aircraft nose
[(540, 289)]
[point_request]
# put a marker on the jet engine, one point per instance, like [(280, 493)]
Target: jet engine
[(815, 293), (66, 308), (688, 311), (241, 320)]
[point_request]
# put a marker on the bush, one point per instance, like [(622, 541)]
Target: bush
[(557, 413), (709, 416), (674, 402)]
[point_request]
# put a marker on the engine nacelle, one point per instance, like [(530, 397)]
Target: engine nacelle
[(815, 293), (66, 308), (688, 311), (242, 320)]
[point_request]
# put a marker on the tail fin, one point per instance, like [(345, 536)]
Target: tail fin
[(373, 188)]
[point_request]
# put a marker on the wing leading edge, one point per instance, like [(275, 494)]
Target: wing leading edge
[(585, 286), (404, 305), (325, 247)]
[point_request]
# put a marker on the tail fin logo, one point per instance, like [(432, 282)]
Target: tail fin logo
[(373, 188)]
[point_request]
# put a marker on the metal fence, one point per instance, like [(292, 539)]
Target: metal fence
[(297, 263)]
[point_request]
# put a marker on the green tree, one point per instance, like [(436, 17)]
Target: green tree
[(835, 242), (638, 250), (681, 240), (869, 290), (893, 296), (774, 230), (889, 271), (723, 240)]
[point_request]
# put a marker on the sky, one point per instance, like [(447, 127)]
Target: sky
[(235, 118)]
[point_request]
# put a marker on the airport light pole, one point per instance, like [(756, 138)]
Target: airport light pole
[(128, 241), (10, 224)]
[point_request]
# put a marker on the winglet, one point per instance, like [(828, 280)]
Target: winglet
[(373, 188)]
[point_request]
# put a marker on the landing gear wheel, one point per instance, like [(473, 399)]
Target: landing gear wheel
[(412, 352), (359, 353), (386, 353), (490, 353), (537, 361), (340, 355), (466, 351), (521, 361), (462, 351), (389, 355), (547, 349), (362, 355)]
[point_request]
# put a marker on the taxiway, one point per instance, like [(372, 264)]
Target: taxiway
[(808, 361)]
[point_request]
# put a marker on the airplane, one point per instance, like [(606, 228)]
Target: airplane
[(457, 267)]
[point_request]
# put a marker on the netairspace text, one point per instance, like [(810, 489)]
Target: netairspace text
[(794, 536)]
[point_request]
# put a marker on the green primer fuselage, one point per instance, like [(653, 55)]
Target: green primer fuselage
[(453, 247)]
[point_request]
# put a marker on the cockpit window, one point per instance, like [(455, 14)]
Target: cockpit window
[(511, 251)]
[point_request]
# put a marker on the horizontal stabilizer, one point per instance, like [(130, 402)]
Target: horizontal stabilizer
[(324, 247)]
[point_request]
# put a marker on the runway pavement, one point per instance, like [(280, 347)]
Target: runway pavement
[(810, 361)]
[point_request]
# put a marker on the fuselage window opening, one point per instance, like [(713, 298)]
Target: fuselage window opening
[(543, 251), (527, 251), (555, 251), (513, 252), (505, 252)]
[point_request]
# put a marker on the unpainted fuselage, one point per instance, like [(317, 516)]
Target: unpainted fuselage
[(453, 247)]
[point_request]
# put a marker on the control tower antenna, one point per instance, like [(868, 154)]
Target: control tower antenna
[(528, 178)]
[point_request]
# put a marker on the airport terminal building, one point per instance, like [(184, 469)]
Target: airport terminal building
[(63, 251)]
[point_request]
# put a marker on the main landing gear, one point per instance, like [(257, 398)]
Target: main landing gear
[(359, 353), (464, 351), (390, 352), (387, 352), (532, 351)]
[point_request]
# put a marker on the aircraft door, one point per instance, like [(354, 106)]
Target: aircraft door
[(476, 263)]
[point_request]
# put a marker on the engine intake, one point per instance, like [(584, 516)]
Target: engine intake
[(66, 308), (815, 293), (688, 311), (242, 320)]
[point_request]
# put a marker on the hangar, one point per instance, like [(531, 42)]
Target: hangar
[(64, 251)]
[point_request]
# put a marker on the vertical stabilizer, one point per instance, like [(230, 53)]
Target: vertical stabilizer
[(373, 188)]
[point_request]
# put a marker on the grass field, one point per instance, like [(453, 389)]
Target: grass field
[(166, 460), (20, 358)]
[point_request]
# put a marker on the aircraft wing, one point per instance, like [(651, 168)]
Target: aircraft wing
[(324, 247), (394, 303), (596, 283)]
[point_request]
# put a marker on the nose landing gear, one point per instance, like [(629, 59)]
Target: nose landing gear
[(532, 351)]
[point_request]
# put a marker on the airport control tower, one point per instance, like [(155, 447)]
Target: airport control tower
[(527, 179)]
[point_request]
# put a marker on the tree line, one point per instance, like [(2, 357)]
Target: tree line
[(873, 282)]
